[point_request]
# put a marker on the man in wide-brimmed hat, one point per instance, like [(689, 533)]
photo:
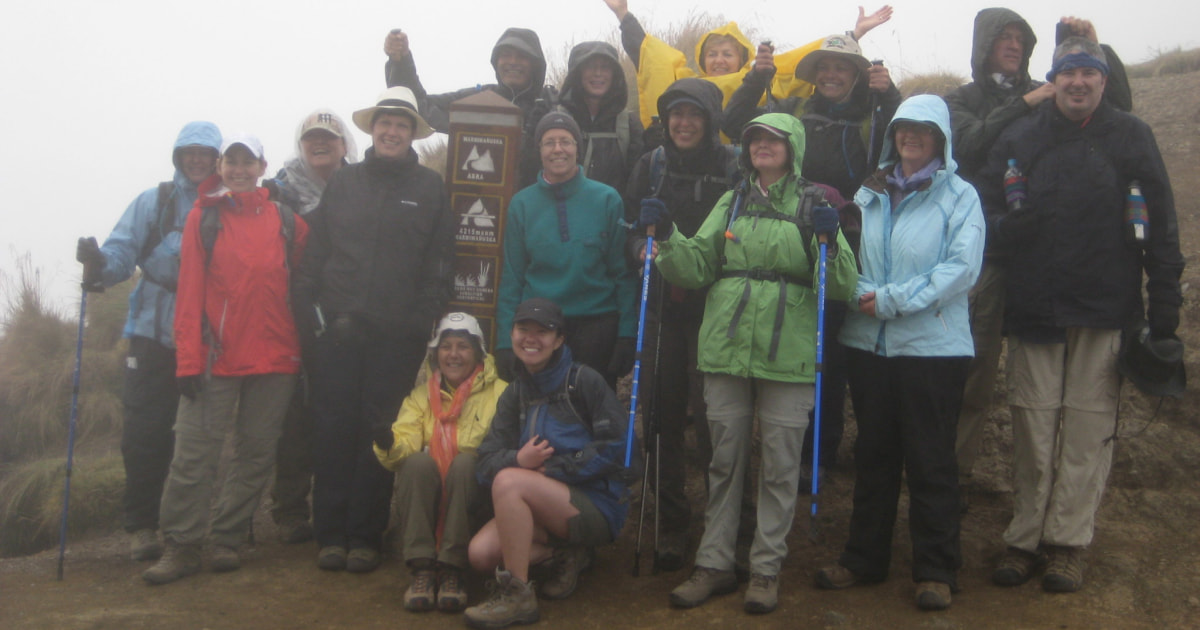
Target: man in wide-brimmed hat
[(375, 278)]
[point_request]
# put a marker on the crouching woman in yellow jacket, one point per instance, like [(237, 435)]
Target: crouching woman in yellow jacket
[(432, 448)]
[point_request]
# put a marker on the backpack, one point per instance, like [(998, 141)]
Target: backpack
[(659, 172), (164, 212), (210, 227), (621, 134), (810, 197)]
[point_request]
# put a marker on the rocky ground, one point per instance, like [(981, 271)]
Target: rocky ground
[(1144, 565)]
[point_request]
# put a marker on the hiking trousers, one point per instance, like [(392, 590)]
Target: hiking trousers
[(252, 407), (419, 491), (1063, 398), (150, 400)]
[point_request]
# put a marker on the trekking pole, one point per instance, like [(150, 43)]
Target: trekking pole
[(814, 533), (62, 528), (876, 109), (637, 374)]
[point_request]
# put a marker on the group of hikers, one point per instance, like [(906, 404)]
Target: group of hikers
[(805, 226)]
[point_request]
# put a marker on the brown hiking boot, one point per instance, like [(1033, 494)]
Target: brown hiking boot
[(512, 601), (703, 583), (1016, 567), (144, 545), (933, 595), (421, 595), (836, 577), (568, 563), (762, 596), (1064, 571), (451, 596), (178, 561), (222, 559)]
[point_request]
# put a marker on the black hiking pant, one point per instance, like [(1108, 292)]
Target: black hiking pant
[(150, 400)]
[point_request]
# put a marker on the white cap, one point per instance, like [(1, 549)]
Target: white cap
[(458, 321), (252, 144)]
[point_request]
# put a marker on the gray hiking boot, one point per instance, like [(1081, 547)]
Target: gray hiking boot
[(332, 558), (703, 583), (362, 560), (568, 563), (451, 593), (512, 601), (933, 595), (144, 545), (421, 595), (1064, 571), (178, 561), (222, 559), (762, 596)]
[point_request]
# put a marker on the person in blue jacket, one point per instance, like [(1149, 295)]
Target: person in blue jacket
[(908, 340), (554, 459), (148, 237)]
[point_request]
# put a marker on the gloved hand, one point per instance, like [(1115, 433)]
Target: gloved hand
[(1163, 321), (87, 251), (825, 221), (190, 386), (504, 359), (1019, 225), (383, 437), (654, 212), (622, 357)]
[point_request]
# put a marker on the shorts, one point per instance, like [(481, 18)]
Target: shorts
[(589, 528)]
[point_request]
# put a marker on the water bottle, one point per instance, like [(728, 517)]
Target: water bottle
[(1136, 219), (1014, 186)]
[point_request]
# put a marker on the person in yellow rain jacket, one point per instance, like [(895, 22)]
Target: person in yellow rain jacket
[(723, 55), (432, 446)]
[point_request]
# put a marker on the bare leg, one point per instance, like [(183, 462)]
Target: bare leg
[(529, 507)]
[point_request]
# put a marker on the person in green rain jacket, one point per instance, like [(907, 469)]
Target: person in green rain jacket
[(758, 253)]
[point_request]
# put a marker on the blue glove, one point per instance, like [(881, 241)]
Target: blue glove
[(654, 212), (825, 221)]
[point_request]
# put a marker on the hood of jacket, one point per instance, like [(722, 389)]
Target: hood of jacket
[(925, 108), (572, 87), (199, 133), (732, 30), (527, 42), (703, 92), (789, 125), (989, 23)]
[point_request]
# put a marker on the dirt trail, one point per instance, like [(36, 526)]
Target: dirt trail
[(1144, 565)]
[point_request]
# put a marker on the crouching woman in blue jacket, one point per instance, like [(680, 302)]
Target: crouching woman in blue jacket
[(909, 343), (554, 458)]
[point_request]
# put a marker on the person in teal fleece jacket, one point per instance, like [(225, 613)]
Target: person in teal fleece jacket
[(564, 241)]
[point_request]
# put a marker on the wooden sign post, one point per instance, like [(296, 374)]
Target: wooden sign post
[(481, 175)]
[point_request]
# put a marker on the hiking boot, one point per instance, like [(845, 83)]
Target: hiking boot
[(933, 595), (331, 558), (362, 560), (222, 559), (451, 596), (669, 554), (762, 596), (836, 577), (421, 595), (568, 563), (178, 561), (1015, 568), (512, 601), (144, 545), (1064, 571), (293, 531), (703, 583)]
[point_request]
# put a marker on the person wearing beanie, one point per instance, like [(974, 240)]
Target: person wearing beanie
[(564, 241), (237, 359), (520, 67), (147, 237), (1077, 243), (374, 281)]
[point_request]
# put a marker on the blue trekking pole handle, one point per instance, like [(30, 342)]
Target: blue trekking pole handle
[(62, 528), (641, 335), (816, 448)]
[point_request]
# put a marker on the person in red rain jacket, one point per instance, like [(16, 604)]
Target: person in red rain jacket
[(237, 357)]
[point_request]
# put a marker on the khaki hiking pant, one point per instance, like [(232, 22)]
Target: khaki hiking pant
[(253, 408), (1064, 410), (418, 493)]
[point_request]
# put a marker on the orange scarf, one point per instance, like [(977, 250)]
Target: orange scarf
[(443, 444)]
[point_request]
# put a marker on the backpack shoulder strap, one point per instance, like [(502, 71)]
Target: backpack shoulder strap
[(210, 226), (164, 219), (658, 170), (287, 229), (623, 132)]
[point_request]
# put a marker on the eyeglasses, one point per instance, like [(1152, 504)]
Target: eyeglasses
[(914, 129), (565, 143)]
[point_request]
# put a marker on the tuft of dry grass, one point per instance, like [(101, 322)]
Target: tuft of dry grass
[(31, 497), (939, 83), (1176, 61)]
